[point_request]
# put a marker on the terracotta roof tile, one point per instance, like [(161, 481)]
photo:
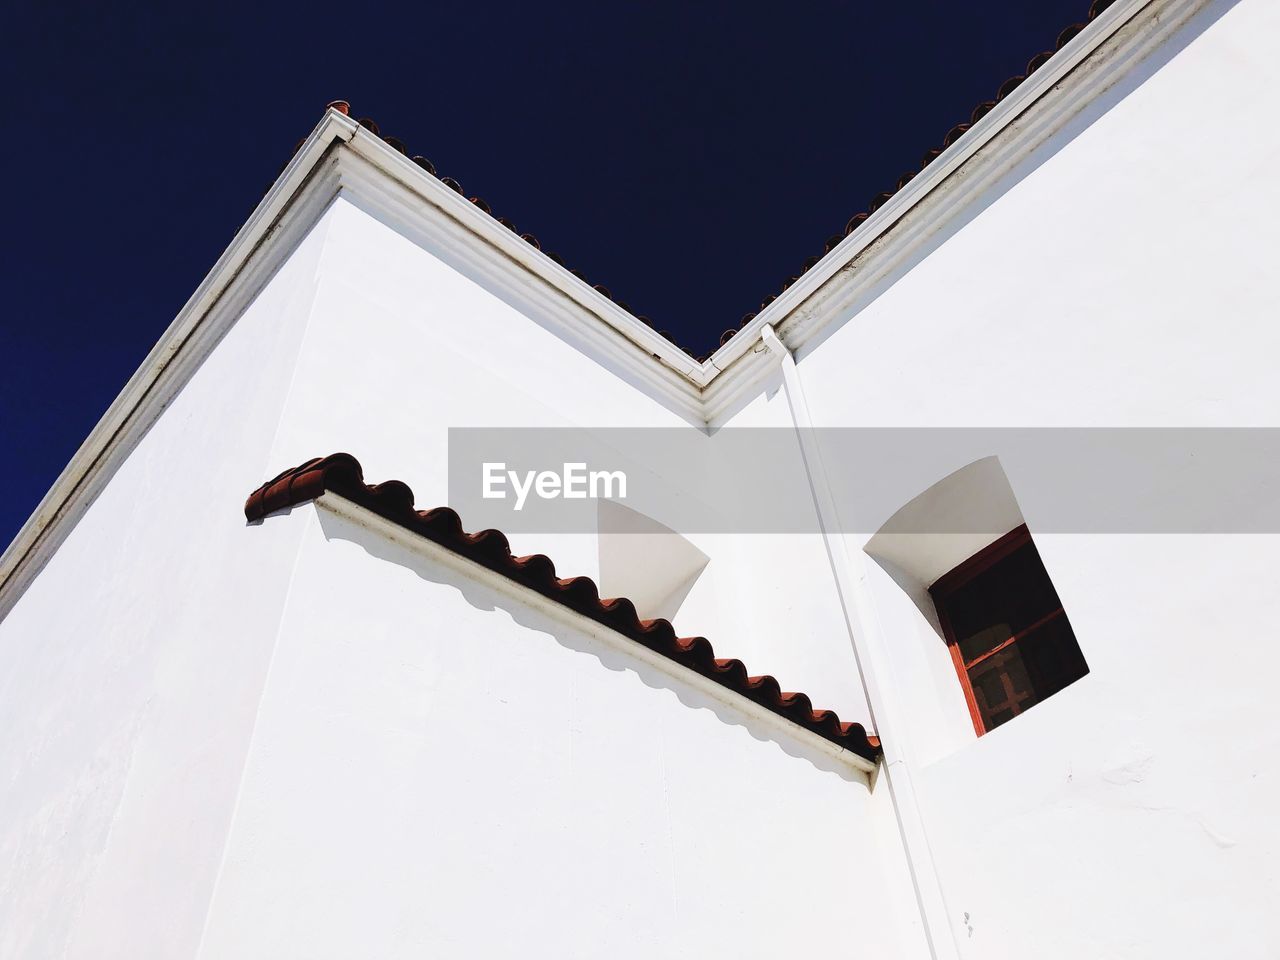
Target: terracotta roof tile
[(342, 474), (954, 134)]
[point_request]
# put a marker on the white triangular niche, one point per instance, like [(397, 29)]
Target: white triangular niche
[(649, 563)]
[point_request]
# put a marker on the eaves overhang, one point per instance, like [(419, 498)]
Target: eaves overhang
[(341, 155), (1091, 58)]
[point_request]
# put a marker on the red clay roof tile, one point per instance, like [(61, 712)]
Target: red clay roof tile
[(342, 474)]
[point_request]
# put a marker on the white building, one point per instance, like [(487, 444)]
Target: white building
[(344, 730)]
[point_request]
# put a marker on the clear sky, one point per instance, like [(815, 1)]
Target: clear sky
[(688, 156)]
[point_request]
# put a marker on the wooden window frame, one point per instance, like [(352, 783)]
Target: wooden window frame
[(949, 582)]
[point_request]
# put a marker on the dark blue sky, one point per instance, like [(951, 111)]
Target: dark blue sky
[(688, 156)]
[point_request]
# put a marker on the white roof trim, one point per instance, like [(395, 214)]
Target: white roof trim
[(225, 290), (700, 391), (1001, 116), (374, 149), (782, 312)]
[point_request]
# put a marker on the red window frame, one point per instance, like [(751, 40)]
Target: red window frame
[(948, 583)]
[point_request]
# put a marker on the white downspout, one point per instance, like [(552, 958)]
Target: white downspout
[(867, 638)]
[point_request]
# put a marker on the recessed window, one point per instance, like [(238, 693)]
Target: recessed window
[(1009, 636)]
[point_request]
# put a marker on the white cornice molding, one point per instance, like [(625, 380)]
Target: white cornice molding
[(1113, 43), (1147, 21), (419, 206), (731, 388), (1094, 60), (283, 215), (390, 161), (341, 155), (989, 159)]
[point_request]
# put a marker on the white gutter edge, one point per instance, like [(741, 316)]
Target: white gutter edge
[(73, 489), (1001, 115), (391, 161)]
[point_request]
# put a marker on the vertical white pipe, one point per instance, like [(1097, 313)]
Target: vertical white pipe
[(867, 638)]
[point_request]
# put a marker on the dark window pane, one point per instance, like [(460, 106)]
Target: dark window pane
[(1002, 686), (988, 684), (1052, 657), (1001, 601), (988, 638), (1014, 640)]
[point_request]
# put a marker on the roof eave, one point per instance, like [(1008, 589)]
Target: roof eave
[(702, 392), (125, 420), (784, 314)]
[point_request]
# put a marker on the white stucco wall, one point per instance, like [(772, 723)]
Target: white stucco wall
[(1120, 276), (131, 667), (440, 766), (780, 611), (132, 708), (296, 739), (402, 346)]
